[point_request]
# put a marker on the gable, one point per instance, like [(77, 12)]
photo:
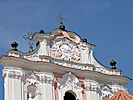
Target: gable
[(64, 48)]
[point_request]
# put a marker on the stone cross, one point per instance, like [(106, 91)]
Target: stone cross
[(60, 17)]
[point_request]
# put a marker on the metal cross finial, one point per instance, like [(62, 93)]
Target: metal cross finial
[(60, 17), (29, 37)]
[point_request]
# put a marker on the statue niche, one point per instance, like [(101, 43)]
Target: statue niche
[(32, 87), (33, 93)]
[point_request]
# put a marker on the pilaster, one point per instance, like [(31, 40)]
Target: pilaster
[(13, 84)]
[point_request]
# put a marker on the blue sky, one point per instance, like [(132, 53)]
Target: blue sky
[(108, 24)]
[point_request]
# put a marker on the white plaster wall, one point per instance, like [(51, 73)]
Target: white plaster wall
[(6, 88), (17, 89), (88, 95), (49, 92), (93, 95), (43, 92), (14, 89)]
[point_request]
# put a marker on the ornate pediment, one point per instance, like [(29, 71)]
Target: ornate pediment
[(64, 48), (32, 79), (70, 82)]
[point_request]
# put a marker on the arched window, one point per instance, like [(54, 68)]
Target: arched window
[(69, 96)]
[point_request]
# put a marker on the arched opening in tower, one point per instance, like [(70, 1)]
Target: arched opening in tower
[(69, 96)]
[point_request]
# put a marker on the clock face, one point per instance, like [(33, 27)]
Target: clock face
[(65, 50)]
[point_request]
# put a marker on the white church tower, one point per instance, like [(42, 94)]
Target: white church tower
[(62, 67)]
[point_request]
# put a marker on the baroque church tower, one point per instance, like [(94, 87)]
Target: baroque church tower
[(62, 67)]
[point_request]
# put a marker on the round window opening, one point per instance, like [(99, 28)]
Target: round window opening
[(69, 96)]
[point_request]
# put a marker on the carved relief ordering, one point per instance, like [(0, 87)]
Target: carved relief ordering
[(65, 49)]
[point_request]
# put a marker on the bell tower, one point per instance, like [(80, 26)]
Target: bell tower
[(61, 67)]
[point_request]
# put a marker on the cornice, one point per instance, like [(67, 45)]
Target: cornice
[(40, 66), (67, 61)]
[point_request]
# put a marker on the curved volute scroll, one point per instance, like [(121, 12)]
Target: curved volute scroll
[(59, 34), (64, 34)]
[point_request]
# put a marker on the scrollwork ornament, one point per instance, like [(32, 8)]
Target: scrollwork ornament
[(92, 87), (106, 91), (15, 74), (47, 79), (102, 70), (65, 50)]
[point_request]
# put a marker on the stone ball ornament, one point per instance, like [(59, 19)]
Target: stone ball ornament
[(85, 40)]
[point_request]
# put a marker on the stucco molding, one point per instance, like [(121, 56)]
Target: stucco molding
[(106, 91), (16, 74), (65, 49), (70, 82), (91, 86), (46, 79)]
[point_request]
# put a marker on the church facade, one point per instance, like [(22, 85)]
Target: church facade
[(62, 67)]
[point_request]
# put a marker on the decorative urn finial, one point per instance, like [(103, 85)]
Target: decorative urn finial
[(113, 63), (14, 46)]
